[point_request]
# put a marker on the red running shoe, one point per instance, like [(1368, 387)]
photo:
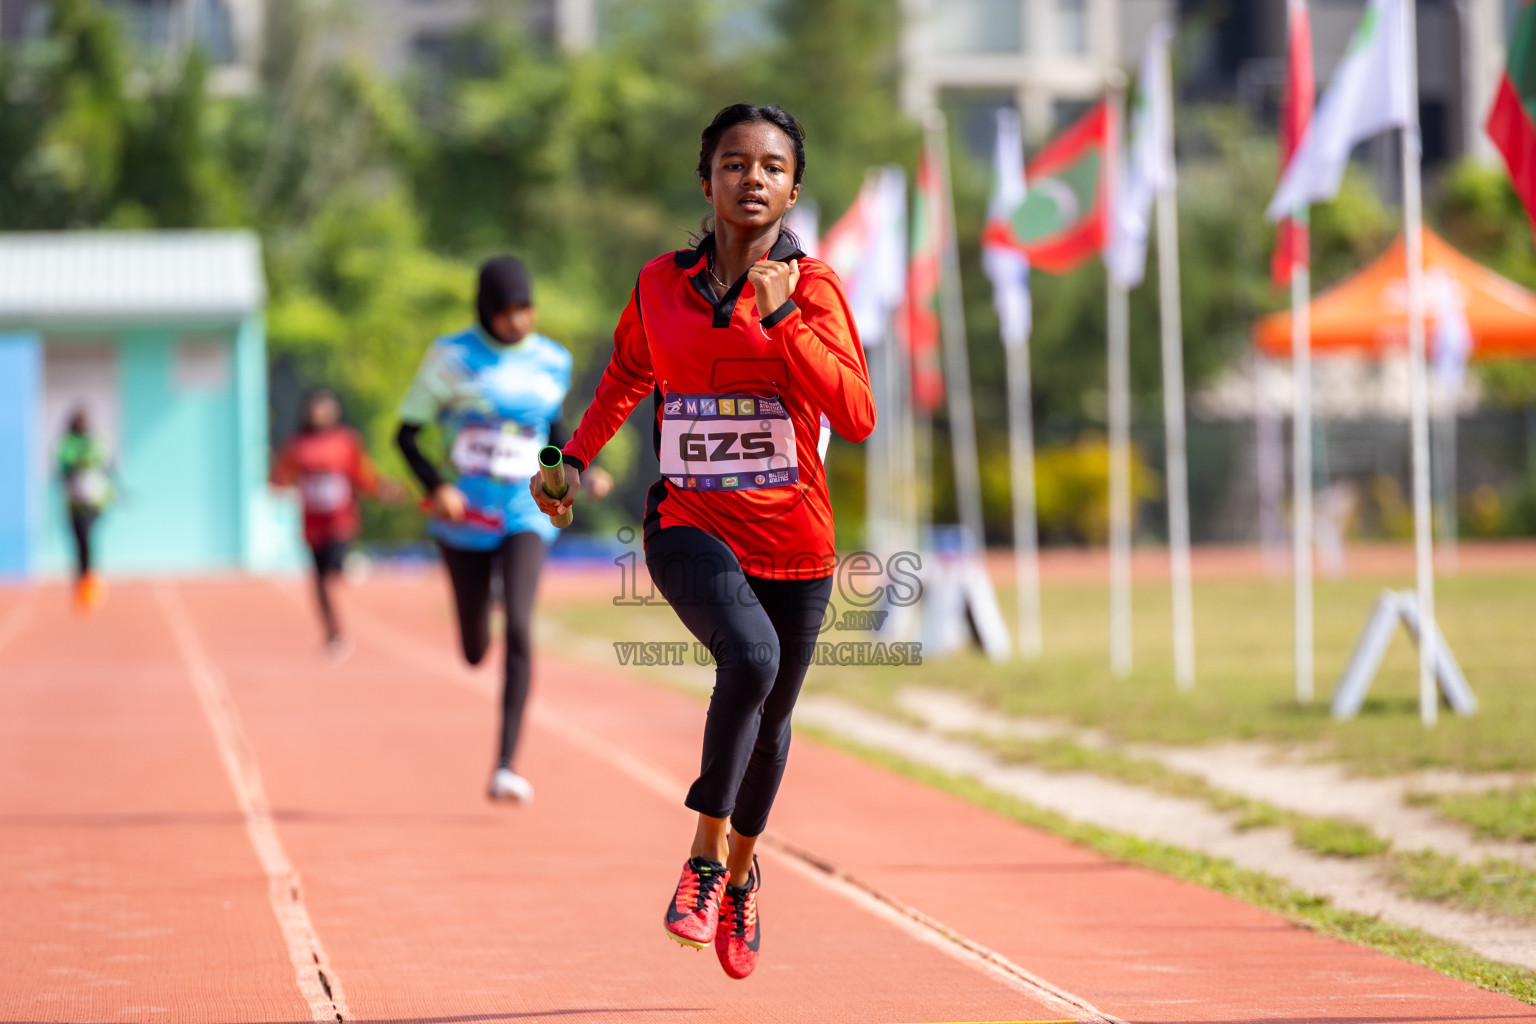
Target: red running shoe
[(738, 937), (694, 913)]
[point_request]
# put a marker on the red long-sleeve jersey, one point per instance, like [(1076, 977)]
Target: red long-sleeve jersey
[(675, 339), (330, 467)]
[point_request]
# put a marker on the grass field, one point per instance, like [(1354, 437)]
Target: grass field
[(1245, 690), (1245, 684), (1498, 814), (1252, 887)]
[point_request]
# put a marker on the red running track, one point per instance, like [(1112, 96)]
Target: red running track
[(202, 820)]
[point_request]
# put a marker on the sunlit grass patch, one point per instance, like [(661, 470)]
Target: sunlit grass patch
[(1492, 886), (1333, 837), (1255, 887), (1245, 685), (1496, 813)]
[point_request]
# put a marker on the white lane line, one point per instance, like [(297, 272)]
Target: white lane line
[(819, 871), (317, 980), (808, 865), (12, 625)]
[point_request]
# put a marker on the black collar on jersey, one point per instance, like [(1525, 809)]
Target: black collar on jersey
[(696, 262)]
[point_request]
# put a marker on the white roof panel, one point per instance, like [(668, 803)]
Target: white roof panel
[(129, 274)]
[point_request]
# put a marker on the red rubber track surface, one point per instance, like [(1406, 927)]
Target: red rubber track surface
[(132, 890)]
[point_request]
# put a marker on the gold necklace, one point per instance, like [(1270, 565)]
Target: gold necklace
[(709, 265)]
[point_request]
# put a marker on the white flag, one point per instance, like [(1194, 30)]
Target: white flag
[(1453, 335), (1368, 95), (868, 249), (1149, 169), (804, 222), (1008, 268)]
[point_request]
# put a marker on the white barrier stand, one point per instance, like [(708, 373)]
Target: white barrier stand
[(1391, 608), (959, 605)]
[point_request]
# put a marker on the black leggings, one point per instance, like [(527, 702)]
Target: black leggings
[(762, 633), (517, 562), (330, 558), (80, 521)]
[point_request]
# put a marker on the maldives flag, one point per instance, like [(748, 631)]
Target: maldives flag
[(1512, 121), (930, 233), (1062, 222), (1291, 242)]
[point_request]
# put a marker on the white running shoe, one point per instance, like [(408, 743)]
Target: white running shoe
[(338, 649), (508, 785)]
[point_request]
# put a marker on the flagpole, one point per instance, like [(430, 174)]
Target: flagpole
[(1173, 411), (1301, 452), (1021, 463), (910, 532), (1010, 288), (1296, 232), (893, 267), (1119, 373), (878, 456), (1418, 384), (913, 528), (1448, 550), (907, 533), (1174, 431), (922, 456), (962, 423)]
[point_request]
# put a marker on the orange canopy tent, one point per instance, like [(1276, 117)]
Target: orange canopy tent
[(1368, 314)]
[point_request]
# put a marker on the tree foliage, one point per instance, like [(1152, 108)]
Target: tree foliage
[(375, 198), (88, 138)]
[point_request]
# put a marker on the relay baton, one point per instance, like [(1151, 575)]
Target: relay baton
[(552, 475)]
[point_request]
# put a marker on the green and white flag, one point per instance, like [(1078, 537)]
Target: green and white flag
[(1368, 95)]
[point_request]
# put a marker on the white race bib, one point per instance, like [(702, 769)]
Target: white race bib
[(88, 486), (325, 492), (727, 442), (508, 452)]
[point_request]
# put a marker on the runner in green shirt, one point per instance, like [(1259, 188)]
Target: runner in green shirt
[(86, 471)]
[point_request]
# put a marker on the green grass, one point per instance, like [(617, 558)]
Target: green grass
[(1243, 692), (1493, 886), (1496, 813), (1244, 688), (1223, 876), (1332, 837), (1064, 755)]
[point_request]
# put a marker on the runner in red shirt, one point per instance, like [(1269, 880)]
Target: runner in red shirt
[(327, 462), (744, 343)]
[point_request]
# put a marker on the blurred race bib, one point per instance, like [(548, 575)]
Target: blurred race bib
[(88, 486), (325, 492), (506, 452)]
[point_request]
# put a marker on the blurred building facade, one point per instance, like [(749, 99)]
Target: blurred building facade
[(230, 32), (1046, 58), (158, 337), (395, 34), (399, 35)]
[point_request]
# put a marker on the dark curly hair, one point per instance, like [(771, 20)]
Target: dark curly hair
[(747, 113)]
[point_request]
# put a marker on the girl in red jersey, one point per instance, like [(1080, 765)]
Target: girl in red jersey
[(327, 462), (743, 342)]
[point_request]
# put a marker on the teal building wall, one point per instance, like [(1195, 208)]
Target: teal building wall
[(191, 458), (21, 374)]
